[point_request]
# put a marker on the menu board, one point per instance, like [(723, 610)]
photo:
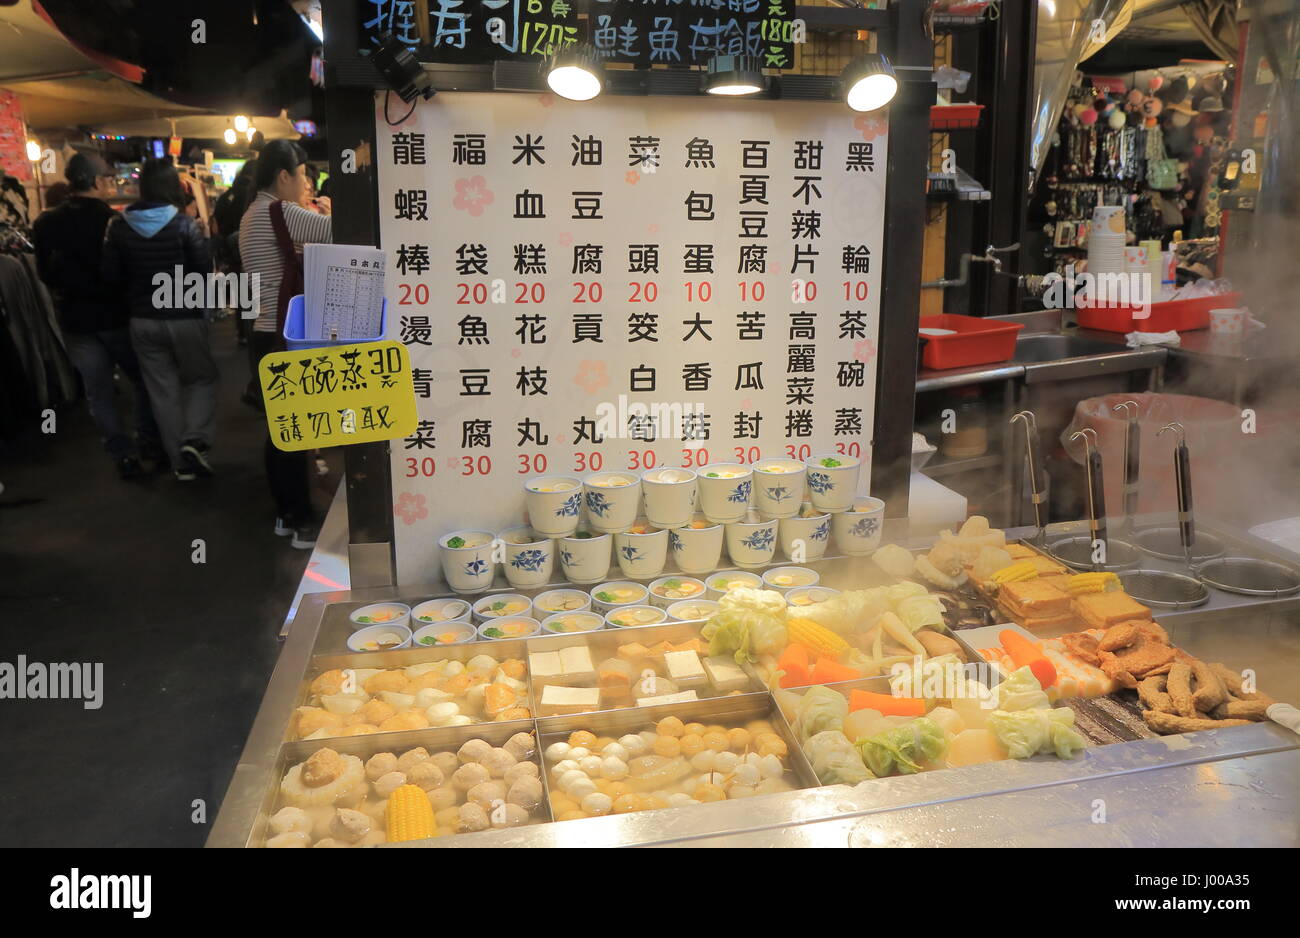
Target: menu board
[(645, 32), (623, 284), (13, 137)]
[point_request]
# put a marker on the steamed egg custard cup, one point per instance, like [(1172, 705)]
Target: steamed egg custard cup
[(440, 610), (808, 595), (612, 500), (530, 557), (641, 551), (565, 623), (693, 610), (725, 490), (805, 537), (561, 600), (696, 548), (387, 613), (380, 638), (778, 487), (443, 633), (721, 582), (467, 560), (670, 495), (631, 617), (751, 542), (554, 504), (495, 630), (502, 604), (858, 532), (672, 589), (610, 596), (585, 556), (785, 579), (832, 480)]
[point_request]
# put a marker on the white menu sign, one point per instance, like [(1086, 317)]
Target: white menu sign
[(625, 283)]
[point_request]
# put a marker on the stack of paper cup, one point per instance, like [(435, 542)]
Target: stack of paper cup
[(1106, 240)]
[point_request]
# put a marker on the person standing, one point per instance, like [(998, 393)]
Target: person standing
[(271, 236), (69, 244), (154, 236)]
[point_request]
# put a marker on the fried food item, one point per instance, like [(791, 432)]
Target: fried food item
[(1142, 657), (1179, 688), (1119, 636), (1210, 690), (1233, 681), (1104, 610), (1083, 646), (1151, 691), (1170, 723), (1248, 709), (1034, 598)]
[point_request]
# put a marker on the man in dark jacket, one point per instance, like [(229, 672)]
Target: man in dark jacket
[(69, 241), (146, 251)]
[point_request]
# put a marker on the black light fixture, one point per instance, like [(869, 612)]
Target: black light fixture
[(576, 72), (869, 82), (734, 75), (401, 70)]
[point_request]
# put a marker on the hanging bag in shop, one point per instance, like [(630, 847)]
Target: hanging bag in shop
[(1162, 171), (291, 279)]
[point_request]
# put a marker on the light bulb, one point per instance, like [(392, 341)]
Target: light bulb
[(33, 151), (241, 123), (229, 136)]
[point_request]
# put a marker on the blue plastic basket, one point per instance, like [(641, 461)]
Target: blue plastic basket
[(293, 337)]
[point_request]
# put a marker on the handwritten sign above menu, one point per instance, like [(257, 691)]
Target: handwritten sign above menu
[(623, 284), (644, 32)]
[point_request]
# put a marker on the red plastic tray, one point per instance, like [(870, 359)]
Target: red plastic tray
[(955, 116), (1170, 316), (977, 341)]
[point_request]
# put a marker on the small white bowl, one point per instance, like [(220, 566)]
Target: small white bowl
[(440, 610), (386, 613), (545, 604), (581, 622), (638, 596), (483, 608), (688, 586), (358, 640), (510, 627), (633, 617), (463, 632), (734, 578), (692, 610), (785, 579), (807, 595)]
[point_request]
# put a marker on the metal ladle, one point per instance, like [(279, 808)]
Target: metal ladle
[(1132, 461), (1034, 453), (1079, 552)]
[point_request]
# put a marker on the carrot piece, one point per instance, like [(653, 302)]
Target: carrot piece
[(1024, 652), (828, 671), (794, 662), (887, 704)]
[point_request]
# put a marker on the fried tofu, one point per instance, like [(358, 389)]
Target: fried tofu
[(1021, 552), (1103, 610), (1034, 598)]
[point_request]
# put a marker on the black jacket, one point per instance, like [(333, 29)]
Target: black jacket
[(69, 244), (131, 259)]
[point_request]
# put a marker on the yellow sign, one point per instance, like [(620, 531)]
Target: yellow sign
[(338, 395)]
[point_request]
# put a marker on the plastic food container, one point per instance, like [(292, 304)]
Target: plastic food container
[(565, 623), (508, 627), (443, 633), (974, 341), (1170, 316), (631, 617)]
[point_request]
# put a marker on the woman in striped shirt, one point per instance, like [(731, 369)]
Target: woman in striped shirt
[(282, 186)]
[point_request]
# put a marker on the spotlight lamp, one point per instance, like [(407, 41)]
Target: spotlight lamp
[(576, 72), (734, 75), (229, 136), (869, 82), (241, 123)]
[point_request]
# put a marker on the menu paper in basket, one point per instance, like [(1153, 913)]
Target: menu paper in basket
[(623, 284), (338, 395), (344, 291)]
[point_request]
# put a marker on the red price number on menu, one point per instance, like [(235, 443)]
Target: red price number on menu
[(475, 465), (752, 290), (747, 454), (849, 449), (641, 459), (699, 291), (798, 452), (471, 293), (530, 292), (588, 462), (591, 292), (803, 291), (694, 458), (418, 293), (647, 292), (531, 465), (419, 467), (855, 290)]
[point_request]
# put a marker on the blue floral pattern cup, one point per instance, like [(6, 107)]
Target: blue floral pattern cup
[(612, 500), (642, 551), (554, 504), (833, 480), (804, 537), (751, 542), (725, 490), (858, 531), (467, 560), (778, 487), (584, 556), (530, 558), (697, 547)]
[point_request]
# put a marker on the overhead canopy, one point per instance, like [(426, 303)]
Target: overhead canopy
[(62, 84), (197, 126)]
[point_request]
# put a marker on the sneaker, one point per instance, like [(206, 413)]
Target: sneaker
[(128, 467), (304, 536), (194, 456), (283, 526)]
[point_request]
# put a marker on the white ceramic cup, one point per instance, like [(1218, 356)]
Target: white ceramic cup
[(778, 487), (805, 536), (751, 542), (669, 496), (585, 560), (641, 556), (696, 550), (832, 488), (469, 568), (553, 504), (530, 557), (857, 532), (724, 499), (611, 508), (1229, 321)]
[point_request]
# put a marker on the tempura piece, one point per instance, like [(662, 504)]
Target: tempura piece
[(1171, 723), (894, 560)]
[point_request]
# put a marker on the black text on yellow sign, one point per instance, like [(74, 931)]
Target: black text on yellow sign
[(338, 395)]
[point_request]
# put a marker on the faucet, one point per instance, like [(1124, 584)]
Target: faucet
[(990, 256)]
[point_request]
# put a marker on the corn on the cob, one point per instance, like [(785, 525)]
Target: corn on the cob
[(817, 638), (410, 815), (1017, 572), (1098, 582)]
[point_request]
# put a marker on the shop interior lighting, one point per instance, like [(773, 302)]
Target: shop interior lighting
[(229, 136), (576, 73), (869, 82), (241, 123), (248, 134), (734, 75), (33, 151)]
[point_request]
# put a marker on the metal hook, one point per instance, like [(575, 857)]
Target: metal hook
[(1028, 417), (1125, 405), (1176, 427), (1089, 443)]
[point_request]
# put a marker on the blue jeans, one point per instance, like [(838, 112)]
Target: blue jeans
[(94, 355)]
